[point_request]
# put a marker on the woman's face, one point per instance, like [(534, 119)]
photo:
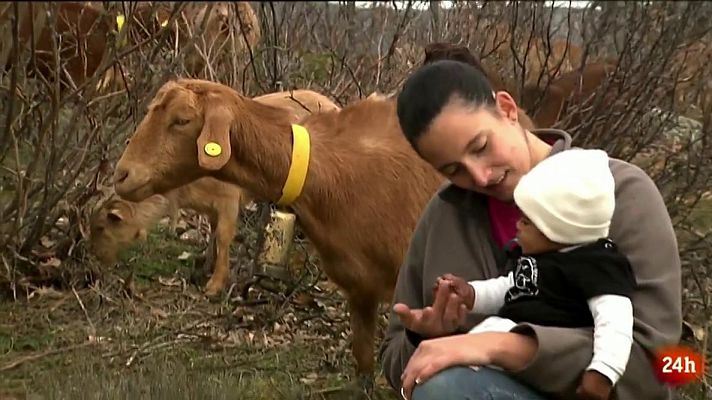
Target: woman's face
[(476, 149)]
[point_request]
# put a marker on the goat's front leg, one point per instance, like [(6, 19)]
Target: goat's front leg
[(363, 308), (224, 234), (173, 216)]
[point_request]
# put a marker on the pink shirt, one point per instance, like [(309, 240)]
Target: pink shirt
[(503, 219)]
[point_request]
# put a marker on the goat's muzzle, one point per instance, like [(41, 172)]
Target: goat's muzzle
[(132, 184)]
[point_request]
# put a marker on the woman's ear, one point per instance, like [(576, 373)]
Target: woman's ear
[(507, 106)]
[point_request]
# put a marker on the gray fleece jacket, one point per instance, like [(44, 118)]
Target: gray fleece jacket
[(453, 236)]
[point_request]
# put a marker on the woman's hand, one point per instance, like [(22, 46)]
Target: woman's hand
[(447, 314), (594, 386), (435, 355)]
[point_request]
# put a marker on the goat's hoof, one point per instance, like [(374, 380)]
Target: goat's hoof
[(213, 289), (366, 385)]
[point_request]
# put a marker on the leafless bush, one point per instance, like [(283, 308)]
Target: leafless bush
[(59, 139), (57, 146)]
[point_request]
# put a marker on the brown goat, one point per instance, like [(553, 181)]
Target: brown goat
[(85, 28), (362, 174), (118, 223), (535, 51), (447, 51), (223, 16), (570, 89)]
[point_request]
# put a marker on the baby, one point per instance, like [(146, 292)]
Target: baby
[(567, 272)]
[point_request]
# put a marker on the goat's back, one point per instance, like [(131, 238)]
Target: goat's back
[(301, 102), (374, 189)]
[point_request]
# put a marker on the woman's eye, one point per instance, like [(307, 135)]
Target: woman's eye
[(452, 171), (478, 149)]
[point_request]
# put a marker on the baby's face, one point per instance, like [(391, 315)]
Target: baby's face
[(531, 240)]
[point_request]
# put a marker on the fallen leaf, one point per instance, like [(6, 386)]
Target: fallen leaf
[(47, 291), (157, 312), (169, 281), (62, 223), (309, 379), (47, 242), (304, 299), (98, 339), (697, 331), (51, 262), (191, 235)]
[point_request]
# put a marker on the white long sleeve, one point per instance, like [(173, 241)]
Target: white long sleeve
[(489, 293), (613, 334)]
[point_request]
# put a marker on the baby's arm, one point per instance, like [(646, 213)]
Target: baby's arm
[(489, 293), (607, 281), (613, 334)]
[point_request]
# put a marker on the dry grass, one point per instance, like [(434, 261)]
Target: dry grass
[(159, 337)]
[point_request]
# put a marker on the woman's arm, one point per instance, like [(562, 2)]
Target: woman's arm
[(505, 349), (512, 351)]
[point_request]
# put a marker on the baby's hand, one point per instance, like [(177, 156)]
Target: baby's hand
[(458, 286), (594, 386)]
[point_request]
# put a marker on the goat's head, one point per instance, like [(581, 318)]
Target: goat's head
[(161, 155), (223, 34), (118, 223)]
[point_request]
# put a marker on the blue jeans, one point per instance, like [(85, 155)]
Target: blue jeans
[(462, 383)]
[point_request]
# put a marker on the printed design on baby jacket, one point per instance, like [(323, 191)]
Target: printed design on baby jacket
[(526, 275)]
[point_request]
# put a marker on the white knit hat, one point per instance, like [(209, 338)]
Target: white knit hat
[(569, 196)]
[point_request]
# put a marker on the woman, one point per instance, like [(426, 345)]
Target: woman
[(453, 119)]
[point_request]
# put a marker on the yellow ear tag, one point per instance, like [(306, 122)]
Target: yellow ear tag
[(213, 149), (120, 19)]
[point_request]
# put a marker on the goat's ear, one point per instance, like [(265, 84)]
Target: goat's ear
[(115, 215), (142, 234), (214, 140)]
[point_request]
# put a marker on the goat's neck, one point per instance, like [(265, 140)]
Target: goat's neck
[(261, 141)]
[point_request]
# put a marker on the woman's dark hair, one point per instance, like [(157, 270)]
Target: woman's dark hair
[(430, 88), (447, 51)]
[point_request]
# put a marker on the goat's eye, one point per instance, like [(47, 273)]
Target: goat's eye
[(181, 121)]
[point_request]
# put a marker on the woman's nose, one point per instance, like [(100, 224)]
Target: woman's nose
[(479, 173)]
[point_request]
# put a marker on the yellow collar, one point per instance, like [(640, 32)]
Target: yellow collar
[(298, 167)]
